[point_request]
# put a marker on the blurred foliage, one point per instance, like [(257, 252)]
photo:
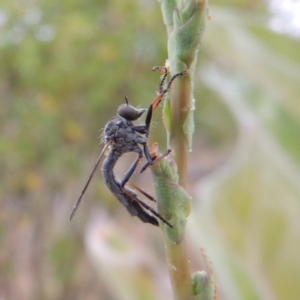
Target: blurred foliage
[(65, 67)]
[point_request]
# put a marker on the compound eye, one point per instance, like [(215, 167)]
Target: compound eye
[(129, 112)]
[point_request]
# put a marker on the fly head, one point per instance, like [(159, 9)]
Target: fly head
[(129, 112)]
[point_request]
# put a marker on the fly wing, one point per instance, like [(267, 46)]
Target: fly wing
[(103, 152)]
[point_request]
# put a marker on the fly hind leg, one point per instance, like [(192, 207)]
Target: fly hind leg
[(130, 192), (136, 208)]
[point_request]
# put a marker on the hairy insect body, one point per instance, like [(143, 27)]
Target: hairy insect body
[(125, 139), (124, 135)]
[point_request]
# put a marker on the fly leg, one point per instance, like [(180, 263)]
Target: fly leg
[(137, 204), (151, 109), (156, 160), (149, 158), (135, 208), (150, 161), (131, 170), (165, 71), (135, 164), (159, 97), (144, 129), (134, 196), (132, 185)]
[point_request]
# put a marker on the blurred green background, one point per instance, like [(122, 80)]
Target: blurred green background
[(64, 69)]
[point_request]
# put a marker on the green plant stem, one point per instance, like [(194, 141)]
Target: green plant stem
[(185, 23), (175, 208), (180, 106), (179, 270)]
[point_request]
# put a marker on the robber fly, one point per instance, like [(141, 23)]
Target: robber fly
[(120, 136)]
